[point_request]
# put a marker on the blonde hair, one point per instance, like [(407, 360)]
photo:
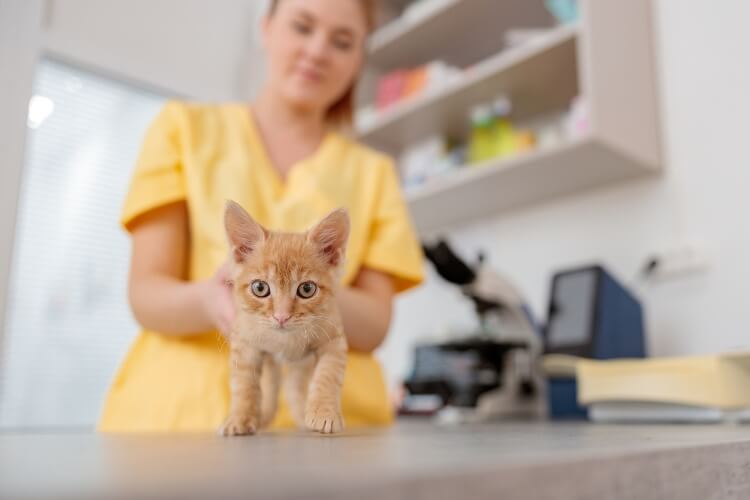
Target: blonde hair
[(341, 112)]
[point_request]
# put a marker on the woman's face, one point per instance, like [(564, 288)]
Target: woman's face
[(315, 50)]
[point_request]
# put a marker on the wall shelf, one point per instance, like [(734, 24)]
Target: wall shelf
[(478, 191), (523, 71), (607, 58), (415, 40)]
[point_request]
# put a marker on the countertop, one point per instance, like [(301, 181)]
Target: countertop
[(413, 460)]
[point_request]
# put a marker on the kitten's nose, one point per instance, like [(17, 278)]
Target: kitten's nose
[(281, 318)]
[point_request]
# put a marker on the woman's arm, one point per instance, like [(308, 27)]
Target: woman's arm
[(164, 302), (366, 309), (160, 297)]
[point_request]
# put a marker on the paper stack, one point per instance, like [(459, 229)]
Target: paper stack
[(683, 389)]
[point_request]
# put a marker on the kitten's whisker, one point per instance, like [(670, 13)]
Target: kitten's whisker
[(307, 335), (324, 318), (333, 326), (318, 328), (316, 336), (315, 332)]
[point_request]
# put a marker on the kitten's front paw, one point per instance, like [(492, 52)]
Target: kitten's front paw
[(326, 420), (239, 425)]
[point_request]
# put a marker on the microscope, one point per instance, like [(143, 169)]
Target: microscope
[(489, 373)]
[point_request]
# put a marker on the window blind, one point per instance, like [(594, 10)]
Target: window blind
[(68, 324)]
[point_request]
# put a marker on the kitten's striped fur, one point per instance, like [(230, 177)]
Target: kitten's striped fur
[(310, 342)]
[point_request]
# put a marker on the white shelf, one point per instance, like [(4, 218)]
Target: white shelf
[(607, 59), (410, 41), (482, 190), (524, 72)]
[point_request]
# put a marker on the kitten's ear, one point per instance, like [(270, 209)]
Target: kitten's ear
[(330, 236), (244, 234)]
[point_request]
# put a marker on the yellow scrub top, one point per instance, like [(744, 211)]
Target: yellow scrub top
[(204, 155)]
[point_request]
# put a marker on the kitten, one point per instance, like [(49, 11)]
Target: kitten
[(283, 285)]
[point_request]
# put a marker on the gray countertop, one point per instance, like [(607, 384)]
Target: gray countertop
[(412, 460)]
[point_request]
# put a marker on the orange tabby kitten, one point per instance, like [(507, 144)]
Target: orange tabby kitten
[(284, 290)]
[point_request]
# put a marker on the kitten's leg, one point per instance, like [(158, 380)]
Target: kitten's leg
[(323, 407), (270, 380), (296, 384), (245, 372)]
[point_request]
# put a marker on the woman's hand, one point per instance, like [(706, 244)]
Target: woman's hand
[(216, 297)]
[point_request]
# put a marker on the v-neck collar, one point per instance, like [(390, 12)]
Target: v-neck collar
[(265, 159)]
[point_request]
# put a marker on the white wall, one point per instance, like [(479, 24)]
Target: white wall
[(20, 34), (704, 196), (195, 48)]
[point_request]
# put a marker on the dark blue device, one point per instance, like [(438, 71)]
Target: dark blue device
[(590, 315)]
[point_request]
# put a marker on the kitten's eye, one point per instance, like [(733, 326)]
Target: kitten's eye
[(307, 289), (260, 288)]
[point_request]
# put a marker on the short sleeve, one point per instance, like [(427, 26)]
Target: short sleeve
[(393, 247), (158, 177)]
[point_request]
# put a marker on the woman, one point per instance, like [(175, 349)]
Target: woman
[(282, 159)]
